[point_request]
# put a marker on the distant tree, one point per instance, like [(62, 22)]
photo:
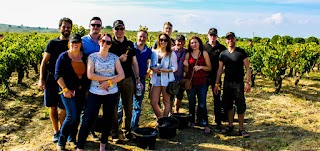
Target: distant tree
[(312, 39), (287, 39), (256, 39), (108, 27), (175, 31), (79, 30), (143, 27), (265, 40), (275, 38), (298, 40)]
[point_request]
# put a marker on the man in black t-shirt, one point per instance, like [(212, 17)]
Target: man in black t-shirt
[(47, 82), (214, 48), (124, 48), (233, 59)]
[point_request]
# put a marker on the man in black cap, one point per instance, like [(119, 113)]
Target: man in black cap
[(124, 48), (214, 48), (233, 59)]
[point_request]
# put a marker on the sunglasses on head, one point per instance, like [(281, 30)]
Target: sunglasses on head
[(163, 40), (105, 41), (119, 28), (96, 25)]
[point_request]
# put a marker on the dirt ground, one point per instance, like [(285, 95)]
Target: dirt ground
[(286, 121)]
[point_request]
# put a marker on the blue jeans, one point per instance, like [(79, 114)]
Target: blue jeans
[(73, 108), (91, 112), (199, 91), (137, 106)]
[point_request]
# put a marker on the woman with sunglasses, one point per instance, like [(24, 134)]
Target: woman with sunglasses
[(163, 64), (105, 70), (196, 65), (70, 73)]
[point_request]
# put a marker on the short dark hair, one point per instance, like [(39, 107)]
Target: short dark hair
[(142, 30), (65, 19), (96, 18)]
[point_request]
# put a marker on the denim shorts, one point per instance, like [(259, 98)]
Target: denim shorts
[(233, 92), (158, 81), (51, 93)]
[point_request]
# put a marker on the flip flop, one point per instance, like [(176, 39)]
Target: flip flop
[(244, 133)]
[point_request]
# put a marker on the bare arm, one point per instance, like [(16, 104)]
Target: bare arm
[(185, 63), (219, 72), (43, 66), (135, 66), (248, 75)]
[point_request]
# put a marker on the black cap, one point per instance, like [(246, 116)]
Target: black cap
[(230, 34), (213, 31), (75, 38), (180, 37), (118, 23)]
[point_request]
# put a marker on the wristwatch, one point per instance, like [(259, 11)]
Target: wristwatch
[(138, 78), (249, 83)]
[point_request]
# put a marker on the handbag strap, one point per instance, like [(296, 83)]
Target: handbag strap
[(194, 65)]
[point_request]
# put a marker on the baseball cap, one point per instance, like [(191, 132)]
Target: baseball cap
[(180, 37), (118, 23), (230, 34), (213, 31), (75, 38)]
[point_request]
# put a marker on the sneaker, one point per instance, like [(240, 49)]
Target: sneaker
[(55, 137), (218, 128)]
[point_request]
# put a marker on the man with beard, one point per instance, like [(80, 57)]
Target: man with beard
[(47, 82), (214, 48), (124, 49), (143, 54), (233, 59)]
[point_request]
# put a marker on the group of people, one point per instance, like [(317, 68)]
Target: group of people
[(79, 74)]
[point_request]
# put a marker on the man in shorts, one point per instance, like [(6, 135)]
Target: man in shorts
[(233, 59), (47, 82)]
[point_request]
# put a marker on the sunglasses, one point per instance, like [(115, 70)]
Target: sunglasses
[(96, 25), (121, 28), (213, 35), (76, 42), (163, 40), (105, 41)]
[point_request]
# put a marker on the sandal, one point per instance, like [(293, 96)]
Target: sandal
[(244, 133), (227, 129)]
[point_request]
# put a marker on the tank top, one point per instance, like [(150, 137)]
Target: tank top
[(199, 76)]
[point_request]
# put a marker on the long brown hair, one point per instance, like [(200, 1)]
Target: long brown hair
[(169, 44), (199, 41)]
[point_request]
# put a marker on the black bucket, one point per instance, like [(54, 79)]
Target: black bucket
[(146, 137), (183, 119), (168, 127)]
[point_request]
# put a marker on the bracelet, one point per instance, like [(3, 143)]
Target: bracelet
[(64, 90), (110, 83), (138, 78), (217, 85)]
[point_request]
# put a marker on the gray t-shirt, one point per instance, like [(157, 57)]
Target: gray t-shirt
[(104, 67)]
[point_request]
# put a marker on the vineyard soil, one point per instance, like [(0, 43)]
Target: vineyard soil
[(289, 120)]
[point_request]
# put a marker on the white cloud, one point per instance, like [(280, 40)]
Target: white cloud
[(274, 19)]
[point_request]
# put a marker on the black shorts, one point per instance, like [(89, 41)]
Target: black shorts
[(52, 97), (234, 91)]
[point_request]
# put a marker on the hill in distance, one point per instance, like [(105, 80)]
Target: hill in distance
[(21, 28)]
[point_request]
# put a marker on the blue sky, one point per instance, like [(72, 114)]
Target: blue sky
[(263, 18)]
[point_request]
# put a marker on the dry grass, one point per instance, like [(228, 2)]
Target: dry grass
[(287, 121)]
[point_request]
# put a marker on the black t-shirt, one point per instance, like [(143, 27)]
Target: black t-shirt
[(214, 53), (233, 64), (55, 47), (120, 48)]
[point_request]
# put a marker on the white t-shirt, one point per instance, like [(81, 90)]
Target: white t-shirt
[(104, 67)]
